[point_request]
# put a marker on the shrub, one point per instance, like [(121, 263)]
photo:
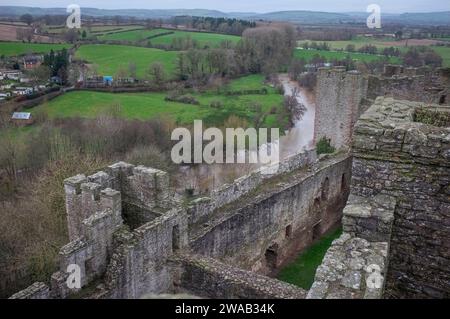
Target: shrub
[(185, 99), (323, 146), (216, 104)]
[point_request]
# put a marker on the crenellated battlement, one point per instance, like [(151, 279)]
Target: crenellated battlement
[(143, 192), (125, 227)]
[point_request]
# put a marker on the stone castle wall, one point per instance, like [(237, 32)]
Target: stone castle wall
[(209, 278), (414, 84), (338, 104), (126, 229), (265, 228), (200, 209), (408, 160), (343, 96)]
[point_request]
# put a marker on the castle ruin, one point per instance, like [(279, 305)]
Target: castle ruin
[(132, 237)]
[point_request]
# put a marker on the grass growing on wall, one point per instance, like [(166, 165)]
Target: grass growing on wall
[(301, 272), (323, 146)]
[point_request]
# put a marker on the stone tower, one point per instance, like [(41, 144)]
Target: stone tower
[(338, 100)]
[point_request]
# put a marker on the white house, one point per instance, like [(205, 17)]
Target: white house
[(23, 90), (11, 74)]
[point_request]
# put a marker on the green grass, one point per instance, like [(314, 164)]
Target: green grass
[(96, 29), (145, 106), (302, 271), (444, 52), (330, 55), (111, 58), (133, 35), (19, 48), (358, 42), (204, 39), (250, 82)]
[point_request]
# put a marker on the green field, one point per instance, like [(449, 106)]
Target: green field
[(444, 52), (111, 58), (302, 271), (339, 55), (134, 35), (95, 29), (19, 48), (203, 38), (144, 106), (359, 42)]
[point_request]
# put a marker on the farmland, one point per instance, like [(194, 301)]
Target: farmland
[(444, 52), (204, 39), (380, 43), (94, 29), (144, 106), (18, 48), (111, 58), (339, 55), (402, 45), (132, 35)]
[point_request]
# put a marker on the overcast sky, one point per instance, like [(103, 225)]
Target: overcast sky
[(388, 6)]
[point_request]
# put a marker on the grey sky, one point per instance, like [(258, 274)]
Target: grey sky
[(388, 6)]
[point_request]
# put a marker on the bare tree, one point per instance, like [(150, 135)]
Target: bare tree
[(156, 73), (295, 109), (132, 69)]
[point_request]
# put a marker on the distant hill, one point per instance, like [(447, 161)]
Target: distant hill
[(138, 13), (425, 18), (305, 17)]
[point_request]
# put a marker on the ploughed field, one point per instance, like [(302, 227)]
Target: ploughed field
[(214, 107)]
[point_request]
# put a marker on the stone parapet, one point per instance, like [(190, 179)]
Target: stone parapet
[(207, 277), (353, 268), (369, 218)]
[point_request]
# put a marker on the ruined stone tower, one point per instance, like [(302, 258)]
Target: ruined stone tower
[(339, 96)]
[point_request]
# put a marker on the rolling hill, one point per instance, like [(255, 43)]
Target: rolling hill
[(306, 17)]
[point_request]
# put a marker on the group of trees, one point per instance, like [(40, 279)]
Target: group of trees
[(422, 56), (32, 170), (24, 34), (261, 50), (58, 64), (221, 25), (317, 46), (327, 35)]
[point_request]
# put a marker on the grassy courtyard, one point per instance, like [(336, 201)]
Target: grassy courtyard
[(301, 272)]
